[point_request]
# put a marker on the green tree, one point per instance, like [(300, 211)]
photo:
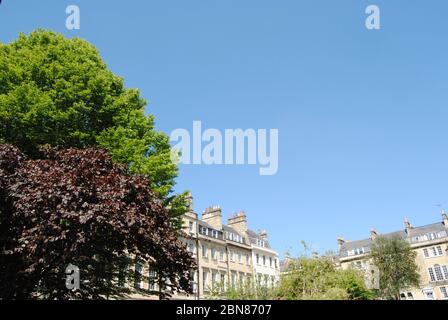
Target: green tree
[(395, 261), (319, 279), (244, 291), (59, 91)]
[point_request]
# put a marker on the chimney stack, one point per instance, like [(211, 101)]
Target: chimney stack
[(407, 225), (263, 235), (189, 199), (445, 219), (374, 234), (238, 222), (213, 216), (341, 242)]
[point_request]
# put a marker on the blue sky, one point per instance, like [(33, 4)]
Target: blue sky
[(362, 115)]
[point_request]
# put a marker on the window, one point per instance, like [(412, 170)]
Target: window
[(213, 280), (152, 279), (191, 247), (356, 251), (445, 271), (438, 272), (429, 294), (260, 243), (406, 296), (431, 274), (444, 292), (275, 263), (222, 254), (122, 274), (205, 280), (190, 226), (257, 257), (248, 259), (193, 281), (270, 262), (429, 236), (233, 278), (223, 282), (240, 255), (433, 252), (232, 256), (213, 253), (138, 275), (204, 251), (264, 260)]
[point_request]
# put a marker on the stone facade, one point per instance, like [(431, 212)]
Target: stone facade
[(430, 243), (226, 253)]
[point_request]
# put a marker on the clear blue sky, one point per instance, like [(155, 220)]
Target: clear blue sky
[(362, 115)]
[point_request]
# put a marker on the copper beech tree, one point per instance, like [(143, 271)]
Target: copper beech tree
[(76, 207)]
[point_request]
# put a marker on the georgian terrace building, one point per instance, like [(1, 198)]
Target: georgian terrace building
[(430, 242), (227, 254)]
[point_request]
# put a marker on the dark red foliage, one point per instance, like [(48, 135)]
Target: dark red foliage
[(76, 206)]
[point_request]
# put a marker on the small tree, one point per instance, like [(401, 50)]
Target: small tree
[(395, 261), (318, 279), (76, 207), (244, 291)]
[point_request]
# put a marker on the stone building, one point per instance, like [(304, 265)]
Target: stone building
[(228, 254), (430, 243), (225, 255)]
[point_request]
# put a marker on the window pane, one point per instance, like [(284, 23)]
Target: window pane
[(438, 272), (431, 274)]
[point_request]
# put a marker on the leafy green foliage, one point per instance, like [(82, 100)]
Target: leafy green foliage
[(77, 207), (395, 261), (319, 279), (244, 291), (59, 91)]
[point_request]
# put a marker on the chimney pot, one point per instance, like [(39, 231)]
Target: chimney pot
[(407, 225), (374, 234), (341, 242), (445, 219)]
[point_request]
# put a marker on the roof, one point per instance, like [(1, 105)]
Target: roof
[(365, 244), (254, 236), (284, 264)]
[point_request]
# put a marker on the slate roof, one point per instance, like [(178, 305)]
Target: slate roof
[(413, 232), (254, 236)]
